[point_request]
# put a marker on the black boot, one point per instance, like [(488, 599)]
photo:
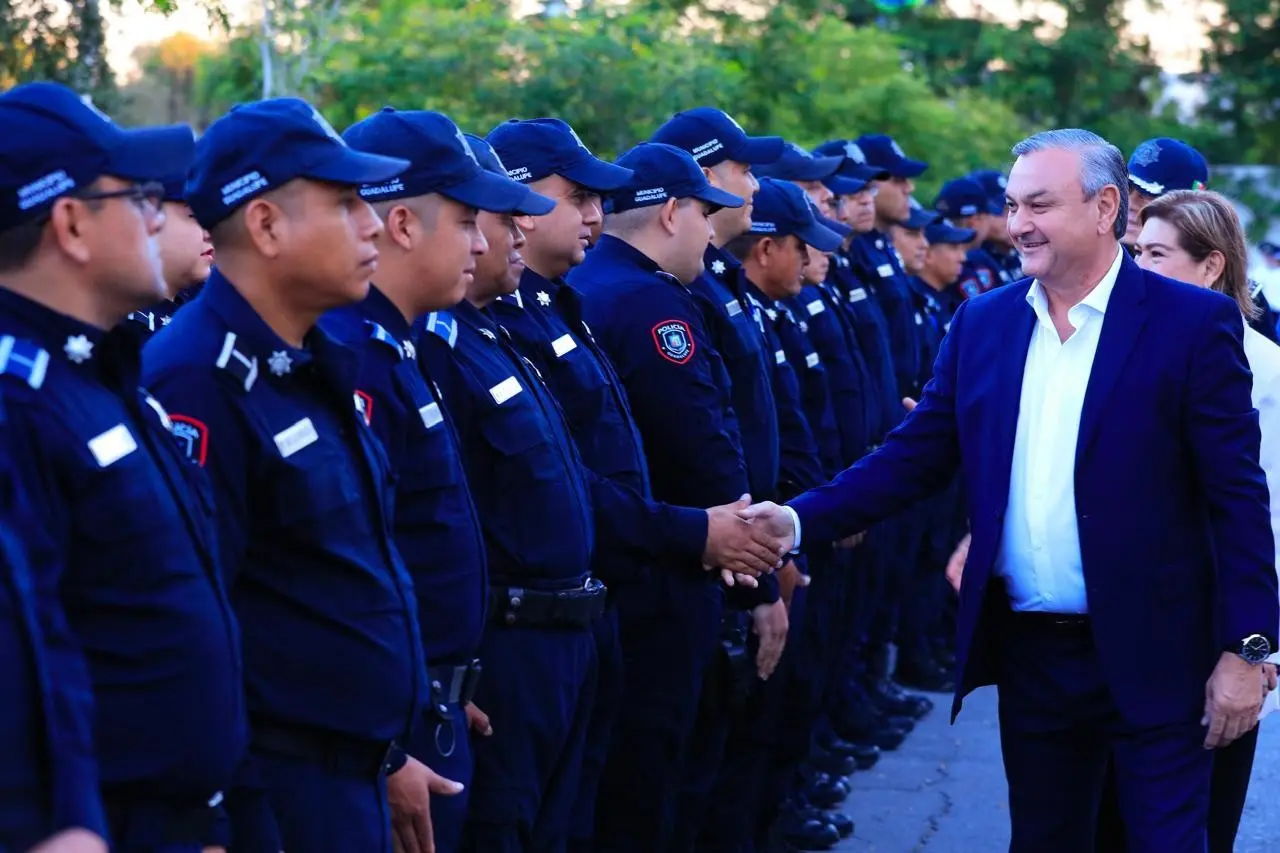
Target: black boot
[(826, 791), (926, 675), (805, 833), (833, 763), (865, 755)]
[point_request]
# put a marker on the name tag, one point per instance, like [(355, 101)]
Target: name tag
[(816, 307), (885, 270), (780, 357), (733, 307), (295, 438), (812, 359), (505, 390), (564, 344), (113, 445), (857, 295), (430, 415)]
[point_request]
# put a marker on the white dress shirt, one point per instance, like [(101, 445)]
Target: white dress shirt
[(1039, 554)]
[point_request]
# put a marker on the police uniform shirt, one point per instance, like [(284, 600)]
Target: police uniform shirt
[(932, 323), (304, 499), (849, 383), (48, 777), (801, 464), (132, 551), (980, 273), (872, 331), (146, 322), (526, 477), (544, 318), (1008, 260), (884, 276), (437, 528), (736, 330), (814, 379)]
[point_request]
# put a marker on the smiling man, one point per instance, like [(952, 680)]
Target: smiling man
[(1110, 451)]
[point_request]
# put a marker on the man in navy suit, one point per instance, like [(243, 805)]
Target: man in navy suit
[(1120, 587)]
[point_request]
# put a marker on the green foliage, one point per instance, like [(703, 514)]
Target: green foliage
[(1244, 86)]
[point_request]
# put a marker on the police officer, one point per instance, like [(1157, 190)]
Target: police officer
[(908, 237), (998, 243), (966, 203), (186, 256), (1158, 166), (123, 522), (333, 658), (427, 254)]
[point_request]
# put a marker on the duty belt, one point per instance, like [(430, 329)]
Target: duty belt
[(453, 685), (578, 607)]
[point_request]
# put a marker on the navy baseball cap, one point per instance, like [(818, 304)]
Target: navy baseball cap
[(855, 160), (883, 153), (993, 182), (844, 185), (962, 197), (440, 161), (711, 136), (781, 208), (941, 230), (535, 148), (660, 172), (259, 147), (1269, 250), (844, 231), (917, 217), (1162, 165), (796, 164), (54, 142), (533, 204)]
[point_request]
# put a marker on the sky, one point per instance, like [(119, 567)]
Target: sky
[(1175, 29)]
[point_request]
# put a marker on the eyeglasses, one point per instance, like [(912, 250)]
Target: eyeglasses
[(148, 197)]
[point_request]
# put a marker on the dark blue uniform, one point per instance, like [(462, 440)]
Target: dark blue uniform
[(813, 375), (147, 322), (437, 531), (48, 778), (981, 273), (333, 659), (1008, 260), (854, 403), (654, 331), (134, 558), (872, 331), (877, 263), (534, 500)]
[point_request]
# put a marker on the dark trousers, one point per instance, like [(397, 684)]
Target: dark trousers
[(1232, 766), (670, 631), (538, 690), (443, 743), (1058, 725), (156, 824), (604, 713)]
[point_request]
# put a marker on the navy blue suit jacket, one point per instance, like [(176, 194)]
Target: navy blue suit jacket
[(1172, 504)]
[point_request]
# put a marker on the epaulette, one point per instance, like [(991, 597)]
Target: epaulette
[(243, 367), (143, 318), (1255, 287), (23, 360), (383, 336), (443, 325)]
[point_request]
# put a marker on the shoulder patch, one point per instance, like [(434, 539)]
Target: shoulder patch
[(383, 336), (364, 406), (443, 325), (23, 360), (239, 365), (674, 340), (970, 287), (192, 436)]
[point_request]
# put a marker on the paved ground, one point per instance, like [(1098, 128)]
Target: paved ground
[(944, 791)]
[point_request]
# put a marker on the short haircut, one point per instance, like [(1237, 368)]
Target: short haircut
[(1101, 165), (742, 245)]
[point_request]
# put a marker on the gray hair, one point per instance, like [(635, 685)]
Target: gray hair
[(1101, 164)]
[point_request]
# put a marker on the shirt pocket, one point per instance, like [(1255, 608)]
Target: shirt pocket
[(315, 490)]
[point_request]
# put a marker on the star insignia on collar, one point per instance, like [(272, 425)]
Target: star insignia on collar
[(166, 320), (488, 334), (544, 298), (880, 245), (804, 326), (717, 267), (410, 351), (773, 315), (78, 348), (280, 363)]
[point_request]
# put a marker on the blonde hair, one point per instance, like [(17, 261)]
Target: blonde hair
[(1206, 223)]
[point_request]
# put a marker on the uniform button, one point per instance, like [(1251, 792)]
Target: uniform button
[(510, 618), (516, 601), (442, 710), (435, 685)]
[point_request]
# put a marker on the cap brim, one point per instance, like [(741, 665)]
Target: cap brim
[(152, 153), (907, 168), (759, 150), (918, 219), (497, 194), (596, 174), (842, 185), (996, 207), (820, 168), (350, 167), (862, 172), (719, 198), (839, 228), (955, 236), (820, 237)]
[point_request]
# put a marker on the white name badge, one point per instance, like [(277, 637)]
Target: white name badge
[(816, 307), (505, 390), (295, 438), (430, 415), (734, 307), (812, 359), (780, 357), (857, 295), (113, 445), (564, 344), (885, 271)]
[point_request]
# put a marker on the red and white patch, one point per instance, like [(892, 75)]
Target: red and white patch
[(192, 436), (674, 341), (364, 405)]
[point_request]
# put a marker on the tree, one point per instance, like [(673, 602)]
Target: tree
[(1243, 67)]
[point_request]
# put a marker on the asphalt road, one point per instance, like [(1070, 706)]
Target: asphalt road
[(944, 790)]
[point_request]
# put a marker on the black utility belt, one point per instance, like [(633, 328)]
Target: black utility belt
[(521, 607), (453, 685), (341, 754)]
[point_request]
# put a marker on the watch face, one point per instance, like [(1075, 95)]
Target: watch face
[(1255, 648)]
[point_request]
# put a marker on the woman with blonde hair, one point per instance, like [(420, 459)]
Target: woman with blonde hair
[(1196, 237)]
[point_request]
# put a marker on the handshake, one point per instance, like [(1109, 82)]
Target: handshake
[(745, 541)]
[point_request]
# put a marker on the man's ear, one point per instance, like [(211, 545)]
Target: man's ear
[(266, 225), (526, 224), (401, 226), (667, 215), (68, 221)]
